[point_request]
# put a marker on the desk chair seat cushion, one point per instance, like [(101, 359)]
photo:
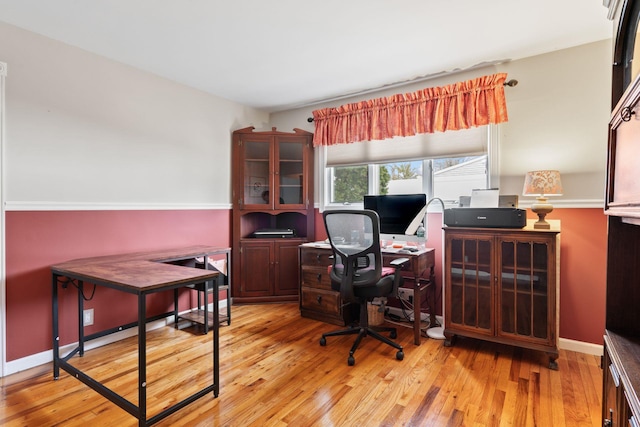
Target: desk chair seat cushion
[(386, 271), (383, 287)]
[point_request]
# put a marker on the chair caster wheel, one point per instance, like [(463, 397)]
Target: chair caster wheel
[(351, 361), (400, 355), (323, 341), (393, 335)]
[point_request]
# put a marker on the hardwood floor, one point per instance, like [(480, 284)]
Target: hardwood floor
[(275, 373)]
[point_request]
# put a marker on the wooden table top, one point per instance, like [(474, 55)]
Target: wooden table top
[(140, 271)]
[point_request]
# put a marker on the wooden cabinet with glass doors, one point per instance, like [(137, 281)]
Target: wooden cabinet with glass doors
[(621, 376), (272, 193), (501, 285)]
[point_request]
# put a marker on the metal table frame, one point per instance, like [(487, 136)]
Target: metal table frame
[(109, 277)]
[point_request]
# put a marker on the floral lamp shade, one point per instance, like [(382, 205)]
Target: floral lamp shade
[(542, 183)]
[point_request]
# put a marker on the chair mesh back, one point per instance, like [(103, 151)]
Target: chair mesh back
[(355, 239)]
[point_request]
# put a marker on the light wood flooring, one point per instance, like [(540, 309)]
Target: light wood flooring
[(275, 373)]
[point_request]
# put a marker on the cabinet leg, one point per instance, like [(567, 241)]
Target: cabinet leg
[(553, 363), (449, 339)]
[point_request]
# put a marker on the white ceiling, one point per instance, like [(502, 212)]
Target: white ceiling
[(279, 54)]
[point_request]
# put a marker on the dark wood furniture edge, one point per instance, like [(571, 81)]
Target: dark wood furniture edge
[(625, 354)]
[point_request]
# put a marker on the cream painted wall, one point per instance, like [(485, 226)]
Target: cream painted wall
[(86, 131), (558, 115), (558, 118), (64, 104)]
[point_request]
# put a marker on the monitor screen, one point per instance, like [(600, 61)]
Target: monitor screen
[(396, 211)]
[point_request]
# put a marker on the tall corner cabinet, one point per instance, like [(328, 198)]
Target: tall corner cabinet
[(272, 190), (621, 359), (502, 285)]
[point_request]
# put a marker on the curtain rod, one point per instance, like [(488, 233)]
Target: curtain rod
[(510, 83)]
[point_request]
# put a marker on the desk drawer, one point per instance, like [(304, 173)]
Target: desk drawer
[(316, 277), (316, 257), (320, 300)]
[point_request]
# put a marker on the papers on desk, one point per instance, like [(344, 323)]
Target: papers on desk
[(387, 249), (320, 245), (405, 251), (485, 198), (218, 264)]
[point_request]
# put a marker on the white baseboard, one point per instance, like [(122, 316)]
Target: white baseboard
[(581, 347), (563, 343), (45, 357)]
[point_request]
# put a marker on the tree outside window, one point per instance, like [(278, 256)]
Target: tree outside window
[(351, 183), (446, 178)]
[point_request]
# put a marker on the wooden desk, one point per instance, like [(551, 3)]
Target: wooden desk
[(140, 274), (419, 264), (319, 301)]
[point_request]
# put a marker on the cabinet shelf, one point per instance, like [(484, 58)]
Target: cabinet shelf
[(523, 292), (197, 316)]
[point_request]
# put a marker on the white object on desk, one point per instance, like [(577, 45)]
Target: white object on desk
[(485, 198), (218, 264)]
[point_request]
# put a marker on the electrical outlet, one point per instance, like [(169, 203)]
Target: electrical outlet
[(87, 317), (405, 294)]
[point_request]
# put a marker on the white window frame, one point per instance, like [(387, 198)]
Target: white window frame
[(325, 174)]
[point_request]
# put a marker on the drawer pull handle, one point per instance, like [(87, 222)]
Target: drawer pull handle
[(614, 375), (319, 298), (626, 114), (319, 277)]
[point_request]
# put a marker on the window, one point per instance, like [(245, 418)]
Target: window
[(446, 178), (445, 165)]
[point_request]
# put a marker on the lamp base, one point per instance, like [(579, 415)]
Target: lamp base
[(542, 208), (541, 224), (436, 333)]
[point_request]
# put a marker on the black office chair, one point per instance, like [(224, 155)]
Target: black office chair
[(357, 271)]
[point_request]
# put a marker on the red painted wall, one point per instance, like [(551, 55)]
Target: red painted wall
[(36, 240), (583, 271), (583, 255)]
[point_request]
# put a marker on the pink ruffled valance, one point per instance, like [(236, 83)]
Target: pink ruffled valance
[(457, 106)]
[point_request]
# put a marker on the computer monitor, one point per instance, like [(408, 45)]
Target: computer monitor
[(400, 214)]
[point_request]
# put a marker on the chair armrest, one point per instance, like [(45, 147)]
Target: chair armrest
[(399, 262)]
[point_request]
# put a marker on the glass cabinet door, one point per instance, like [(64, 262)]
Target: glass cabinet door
[(273, 172), (290, 172), (626, 53), (523, 290), (256, 156), (470, 301)]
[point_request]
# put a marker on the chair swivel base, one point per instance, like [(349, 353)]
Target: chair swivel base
[(363, 332)]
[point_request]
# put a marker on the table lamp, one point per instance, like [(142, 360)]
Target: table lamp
[(541, 184)]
